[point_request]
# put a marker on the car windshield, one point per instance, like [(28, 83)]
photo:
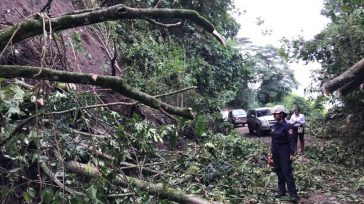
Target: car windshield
[(239, 112), (264, 112)]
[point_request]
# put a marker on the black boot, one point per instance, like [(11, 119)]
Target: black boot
[(279, 195), (294, 200)]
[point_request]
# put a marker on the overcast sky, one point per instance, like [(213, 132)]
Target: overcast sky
[(282, 18)]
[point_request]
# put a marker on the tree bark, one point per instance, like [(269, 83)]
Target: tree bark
[(159, 189), (348, 80), (34, 26), (114, 83), (350, 86)]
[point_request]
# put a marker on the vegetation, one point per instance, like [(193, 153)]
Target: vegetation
[(337, 48), (153, 133)]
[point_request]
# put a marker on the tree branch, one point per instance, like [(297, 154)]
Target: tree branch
[(55, 180), (47, 6), (163, 24), (32, 27), (114, 83), (155, 189), (175, 92)]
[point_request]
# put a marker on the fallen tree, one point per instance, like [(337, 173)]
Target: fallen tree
[(35, 25), (114, 83), (159, 190), (347, 81), (38, 24), (42, 24)]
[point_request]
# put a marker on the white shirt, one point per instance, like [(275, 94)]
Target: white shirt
[(297, 120)]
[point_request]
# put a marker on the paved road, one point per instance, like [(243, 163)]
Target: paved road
[(245, 132), (267, 138)]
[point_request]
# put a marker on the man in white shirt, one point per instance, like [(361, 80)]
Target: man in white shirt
[(298, 122)]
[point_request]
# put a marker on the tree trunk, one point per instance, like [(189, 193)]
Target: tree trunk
[(348, 80), (350, 86), (159, 189)]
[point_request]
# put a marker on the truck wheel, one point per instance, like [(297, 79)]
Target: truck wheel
[(251, 131), (259, 132)]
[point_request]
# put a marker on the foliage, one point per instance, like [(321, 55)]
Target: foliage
[(223, 167), (151, 63), (157, 61), (274, 77), (234, 169), (336, 48), (11, 97), (293, 101)]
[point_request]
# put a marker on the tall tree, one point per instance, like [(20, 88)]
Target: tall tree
[(273, 76)]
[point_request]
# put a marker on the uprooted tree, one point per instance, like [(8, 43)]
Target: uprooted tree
[(41, 24)]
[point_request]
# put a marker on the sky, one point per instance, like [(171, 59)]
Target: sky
[(282, 18)]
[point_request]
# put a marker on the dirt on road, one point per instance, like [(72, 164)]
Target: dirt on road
[(267, 138)]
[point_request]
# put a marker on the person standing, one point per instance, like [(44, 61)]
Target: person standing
[(298, 122), (288, 118), (283, 153)]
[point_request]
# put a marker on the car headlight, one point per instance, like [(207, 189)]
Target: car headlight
[(265, 123)]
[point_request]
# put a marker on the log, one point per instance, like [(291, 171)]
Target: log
[(350, 86), (159, 189), (55, 180), (112, 82), (34, 26), (353, 76)]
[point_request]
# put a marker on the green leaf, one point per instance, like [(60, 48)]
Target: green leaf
[(27, 197), (19, 93), (47, 195), (200, 125), (29, 194), (14, 110), (92, 194)]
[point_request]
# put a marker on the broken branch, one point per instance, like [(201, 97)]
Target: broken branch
[(155, 189), (115, 83)]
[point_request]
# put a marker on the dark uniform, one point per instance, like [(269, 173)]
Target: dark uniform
[(284, 146)]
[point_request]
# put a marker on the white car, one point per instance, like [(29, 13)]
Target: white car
[(260, 120), (237, 117), (224, 115)]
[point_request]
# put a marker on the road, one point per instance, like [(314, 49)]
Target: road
[(245, 132), (267, 138)]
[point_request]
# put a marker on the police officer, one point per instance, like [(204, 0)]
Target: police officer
[(283, 150)]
